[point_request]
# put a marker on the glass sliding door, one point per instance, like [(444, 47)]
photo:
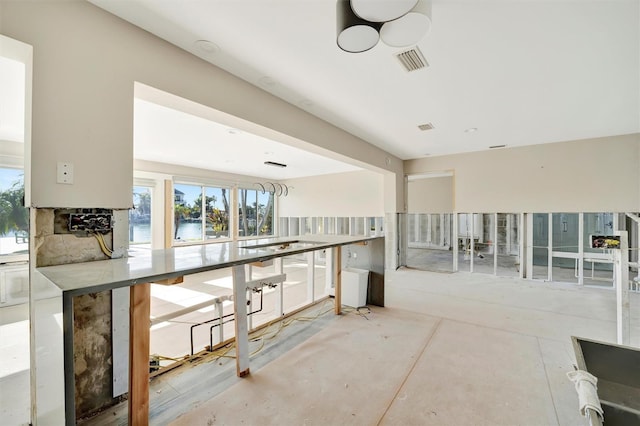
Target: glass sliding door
[(140, 218), (597, 265), (469, 231), (429, 241), (565, 247), (540, 238), (508, 245), (255, 212), (484, 246)]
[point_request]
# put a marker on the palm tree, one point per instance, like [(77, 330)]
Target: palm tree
[(144, 202), (243, 211), (179, 212), (13, 215), (225, 202), (266, 214), (196, 210)]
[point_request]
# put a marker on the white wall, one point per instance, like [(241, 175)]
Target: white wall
[(430, 195), (85, 64), (591, 175), (342, 194)]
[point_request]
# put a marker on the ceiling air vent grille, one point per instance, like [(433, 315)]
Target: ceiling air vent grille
[(427, 126), (412, 59)]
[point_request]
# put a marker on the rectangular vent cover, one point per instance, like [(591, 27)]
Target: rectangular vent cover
[(427, 126), (412, 59)]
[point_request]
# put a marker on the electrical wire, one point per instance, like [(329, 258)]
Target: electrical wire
[(356, 311), (282, 324), (265, 334), (103, 245), (167, 358)]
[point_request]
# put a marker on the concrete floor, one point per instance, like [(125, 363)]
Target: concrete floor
[(452, 349), (449, 349)]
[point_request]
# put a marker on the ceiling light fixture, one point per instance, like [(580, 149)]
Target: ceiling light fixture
[(267, 82), (206, 46), (274, 164), (399, 23), (355, 34), (409, 29), (306, 103)]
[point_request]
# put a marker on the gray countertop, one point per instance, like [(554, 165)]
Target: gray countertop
[(153, 265)]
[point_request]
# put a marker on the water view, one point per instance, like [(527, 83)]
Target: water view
[(140, 233)]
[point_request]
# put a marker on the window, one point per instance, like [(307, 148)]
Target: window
[(255, 213), (140, 216), (14, 217), (190, 224)]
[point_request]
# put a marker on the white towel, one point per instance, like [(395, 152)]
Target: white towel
[(586, 386)]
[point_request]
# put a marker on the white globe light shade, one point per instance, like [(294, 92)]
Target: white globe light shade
[(382, 10), (358, 38), (406, 30)]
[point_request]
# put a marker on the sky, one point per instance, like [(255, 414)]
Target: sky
[(9, 176), (191, 192)]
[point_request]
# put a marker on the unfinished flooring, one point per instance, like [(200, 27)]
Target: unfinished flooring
[(449, 349)]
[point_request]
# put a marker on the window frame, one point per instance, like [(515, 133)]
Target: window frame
[(10, 162), (204, 185), (257, 235), (151, 186)]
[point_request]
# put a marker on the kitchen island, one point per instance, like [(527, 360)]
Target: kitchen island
[(54, 289)]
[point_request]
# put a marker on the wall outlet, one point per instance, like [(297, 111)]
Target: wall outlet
[(65, 173)]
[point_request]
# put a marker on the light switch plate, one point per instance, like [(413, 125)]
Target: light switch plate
[(65, 173)]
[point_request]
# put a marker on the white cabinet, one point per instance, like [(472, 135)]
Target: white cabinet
[(14, 284)]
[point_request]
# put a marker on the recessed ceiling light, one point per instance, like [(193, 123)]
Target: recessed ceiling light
[(267, 82), (426, 126), (306, 103), (206, 46), (471, 130)]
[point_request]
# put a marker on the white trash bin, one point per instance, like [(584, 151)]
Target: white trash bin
[(354, 287)]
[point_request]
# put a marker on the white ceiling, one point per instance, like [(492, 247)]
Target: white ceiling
[(520, 71), (171, 136)]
